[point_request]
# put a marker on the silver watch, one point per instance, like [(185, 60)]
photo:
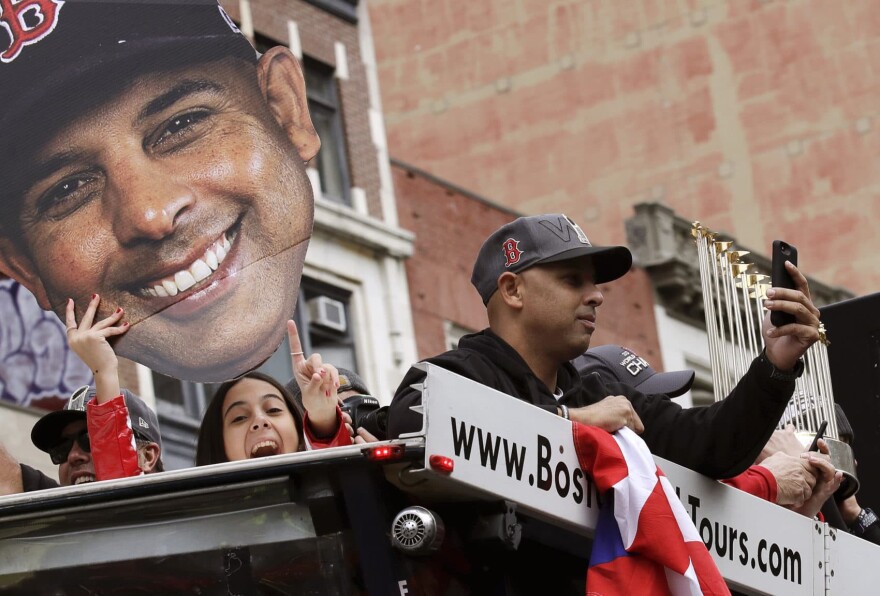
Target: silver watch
[(863, 521)]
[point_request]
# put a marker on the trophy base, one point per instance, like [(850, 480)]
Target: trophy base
[(842, 459)]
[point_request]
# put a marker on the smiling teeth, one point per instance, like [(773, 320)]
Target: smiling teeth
[(211, 260), (84, 479), (184, 280), (262, 444), (201, 269)]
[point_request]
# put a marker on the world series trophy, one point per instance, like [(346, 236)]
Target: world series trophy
[(733, 295)]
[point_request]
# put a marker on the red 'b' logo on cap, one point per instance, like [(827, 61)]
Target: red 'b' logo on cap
[(512, 253), (27, 22)]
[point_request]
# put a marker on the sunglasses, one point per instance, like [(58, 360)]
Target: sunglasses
[(59, 452)]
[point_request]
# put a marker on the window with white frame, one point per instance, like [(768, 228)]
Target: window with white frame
[(453, 333), (322, 94), (331, 162)]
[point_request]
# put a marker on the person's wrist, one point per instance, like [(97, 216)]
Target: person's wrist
[(111, 366), (106, 384), (322, 420), (849, 511), (787, 370), (864, 520)]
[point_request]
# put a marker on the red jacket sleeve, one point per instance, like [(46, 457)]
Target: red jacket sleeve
[(114, 451), (758, 481), (340, 439)]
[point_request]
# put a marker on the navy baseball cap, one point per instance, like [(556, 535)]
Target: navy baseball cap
[(622, 365), (47, 431), (351, 381), (54, 54), (538, 239)]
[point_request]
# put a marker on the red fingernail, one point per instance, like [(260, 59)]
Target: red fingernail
[(125, 324), (327, 393), (94, 296), (118, 310)]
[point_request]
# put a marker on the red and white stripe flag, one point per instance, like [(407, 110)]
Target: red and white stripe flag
[(645, 542)]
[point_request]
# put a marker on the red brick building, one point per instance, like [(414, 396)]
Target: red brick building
[(635, 118), (758, 118)]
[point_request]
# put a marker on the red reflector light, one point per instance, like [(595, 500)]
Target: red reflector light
[(384, 452), (441, 463)]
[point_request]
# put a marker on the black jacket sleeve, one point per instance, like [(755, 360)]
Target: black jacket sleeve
[(400, 418), (32, 479), (471, 365), (720, 440)]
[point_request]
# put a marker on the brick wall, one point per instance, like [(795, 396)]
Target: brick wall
[(758, 117)]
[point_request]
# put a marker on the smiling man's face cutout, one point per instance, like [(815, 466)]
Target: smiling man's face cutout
[(160, 165)]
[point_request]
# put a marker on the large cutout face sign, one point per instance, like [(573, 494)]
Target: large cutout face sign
[(148, 155)]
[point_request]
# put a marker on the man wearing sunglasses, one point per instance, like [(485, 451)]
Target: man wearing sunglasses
[(64, 435)]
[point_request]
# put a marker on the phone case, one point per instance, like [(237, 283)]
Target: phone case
[(782, 252)]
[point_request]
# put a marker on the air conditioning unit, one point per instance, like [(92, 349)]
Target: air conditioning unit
[(328, 312)]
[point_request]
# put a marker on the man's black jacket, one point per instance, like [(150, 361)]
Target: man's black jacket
[(720, 440)]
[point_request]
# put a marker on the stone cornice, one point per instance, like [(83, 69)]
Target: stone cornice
[(346, 225), (662, 245)]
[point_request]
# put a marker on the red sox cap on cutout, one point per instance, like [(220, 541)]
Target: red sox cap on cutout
[(55, 54)]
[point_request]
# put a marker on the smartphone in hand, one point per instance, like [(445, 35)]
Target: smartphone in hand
[(779, 278), (814, 446)]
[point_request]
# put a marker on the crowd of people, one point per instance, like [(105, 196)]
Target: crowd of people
[(246, 208), (538, 278)]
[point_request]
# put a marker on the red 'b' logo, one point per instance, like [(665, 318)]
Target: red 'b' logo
[(512, 253), (27, 22)]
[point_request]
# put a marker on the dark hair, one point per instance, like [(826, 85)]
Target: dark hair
[(210, 448)]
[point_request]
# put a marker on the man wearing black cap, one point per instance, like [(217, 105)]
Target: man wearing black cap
[(150, 156), (537, 277), (618, 364), (82, 458), (100, 434)]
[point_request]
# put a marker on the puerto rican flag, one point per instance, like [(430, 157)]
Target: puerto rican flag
[(645, 542)]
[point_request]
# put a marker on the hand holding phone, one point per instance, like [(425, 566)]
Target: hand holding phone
[(780, 278), (814, 446)]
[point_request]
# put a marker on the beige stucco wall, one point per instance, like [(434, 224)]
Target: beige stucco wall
[(15, 433)]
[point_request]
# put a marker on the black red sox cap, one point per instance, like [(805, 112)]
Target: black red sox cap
[(351, 381), (621, 365), (537, 239), (54, 50), (47, 431)]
